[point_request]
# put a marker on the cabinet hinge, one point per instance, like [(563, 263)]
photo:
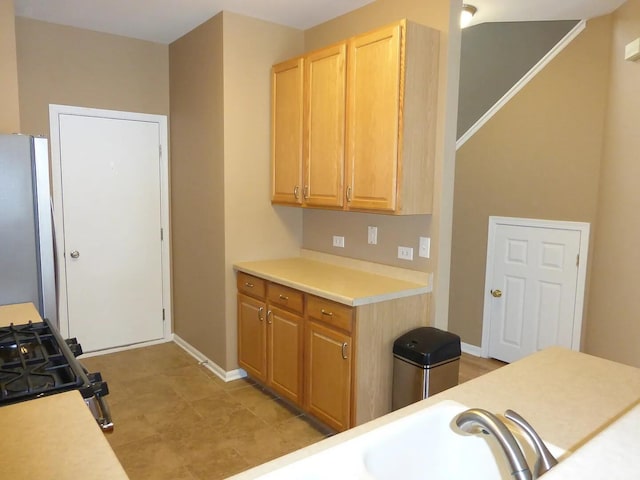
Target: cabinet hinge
[(577, 260), (163, 314), (161, 234)]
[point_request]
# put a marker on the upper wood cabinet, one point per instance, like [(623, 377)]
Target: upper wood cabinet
[(324, 126), (286, 131), (374, 150)]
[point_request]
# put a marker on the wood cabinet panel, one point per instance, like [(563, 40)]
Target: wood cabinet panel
[(285, 338), (373, 119), (332, 313), (250, 285), (328, 375), (252, 336), (286, 297), (286, 131), (324, 126)]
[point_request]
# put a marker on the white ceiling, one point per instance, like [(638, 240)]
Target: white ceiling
[(166, 20)]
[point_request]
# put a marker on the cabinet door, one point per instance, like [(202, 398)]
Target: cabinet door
[(286, 132), (328, 363), (324, 120), (373, 119), (285, 353), (252, 337)]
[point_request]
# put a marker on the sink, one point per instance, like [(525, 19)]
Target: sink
[(427, 445), (424, 445)]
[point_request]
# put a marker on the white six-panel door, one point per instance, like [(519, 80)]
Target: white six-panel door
[(534, 287), (110, 175)]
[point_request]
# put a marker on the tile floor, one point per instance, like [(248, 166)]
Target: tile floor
[(176, 420)]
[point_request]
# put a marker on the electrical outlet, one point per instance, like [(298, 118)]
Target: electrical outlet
[(372, 235), (425, 247), (338, 241), (405, 253)]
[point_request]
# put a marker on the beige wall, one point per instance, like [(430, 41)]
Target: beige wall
[(319, 227), (197, 188), (253, 228), (71, 66), (538, 157), (613, 329), (10, 112), (436, 14), (221, 210)]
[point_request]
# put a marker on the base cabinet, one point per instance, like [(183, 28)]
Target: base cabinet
[(331, 360), (328, 375)]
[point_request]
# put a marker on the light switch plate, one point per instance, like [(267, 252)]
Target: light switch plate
[(372, 235), (405, 253), (424, 249), (338, 241)]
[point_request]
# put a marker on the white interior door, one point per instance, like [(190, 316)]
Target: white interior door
[(534, 287), (110, 173)]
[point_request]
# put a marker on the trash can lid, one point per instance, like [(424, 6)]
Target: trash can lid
[(427, 346)]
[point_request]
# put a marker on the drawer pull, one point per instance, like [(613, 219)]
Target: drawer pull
[(269, 317), (284, 297), (248, 285), (324, 312), (296, 192), (344, 350), (260, 311)]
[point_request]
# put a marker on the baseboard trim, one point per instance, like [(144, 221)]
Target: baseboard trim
[(471, 349), (123, 348), (208, 363)]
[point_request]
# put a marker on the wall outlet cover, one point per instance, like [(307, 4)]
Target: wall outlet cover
[(425, 247), (338, 241), (405, 253), (372, 235)]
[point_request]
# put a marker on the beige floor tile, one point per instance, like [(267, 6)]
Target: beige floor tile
[(224, 465), (217, 405), (250, 396), (273, 411), (148, 457)]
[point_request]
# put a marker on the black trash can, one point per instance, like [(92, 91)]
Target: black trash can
[(426, 361)]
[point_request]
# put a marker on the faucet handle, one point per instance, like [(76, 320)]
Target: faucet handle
[(545, 460)]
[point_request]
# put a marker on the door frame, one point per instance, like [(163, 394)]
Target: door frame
[(55, 111), (581, 227)]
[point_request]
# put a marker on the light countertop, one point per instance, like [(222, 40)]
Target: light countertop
[(18, 313), (344, 285), (54, 436), (568, 397)]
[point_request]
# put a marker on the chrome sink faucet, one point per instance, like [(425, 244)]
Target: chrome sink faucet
[(477, 420), (545, 460)]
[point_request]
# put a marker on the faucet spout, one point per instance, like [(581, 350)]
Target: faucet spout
[(546, 461), (477, 420)]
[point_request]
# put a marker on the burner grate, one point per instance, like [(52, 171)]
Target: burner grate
[(32, 363)]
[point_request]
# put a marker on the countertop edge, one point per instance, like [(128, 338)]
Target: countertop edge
[(345, 300)]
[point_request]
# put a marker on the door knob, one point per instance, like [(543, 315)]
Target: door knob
[(496, 293), (75, 253)]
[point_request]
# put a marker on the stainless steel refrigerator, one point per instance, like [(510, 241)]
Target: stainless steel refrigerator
[(27, 268)]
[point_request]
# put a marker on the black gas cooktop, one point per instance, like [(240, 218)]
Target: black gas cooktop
[(33, 363)]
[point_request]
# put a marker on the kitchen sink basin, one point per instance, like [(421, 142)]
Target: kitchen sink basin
[(428, 445), (424, 445)]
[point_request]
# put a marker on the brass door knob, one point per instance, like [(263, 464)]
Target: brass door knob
[(496, 293)]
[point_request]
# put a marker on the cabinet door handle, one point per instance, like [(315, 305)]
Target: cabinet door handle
[(305, 192), (248, 285), (284, 297), (324, 312), (349, 193), (269, 317), (260, 311), (296, 192), (344, 350)]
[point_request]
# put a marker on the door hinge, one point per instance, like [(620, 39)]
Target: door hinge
[(577, 260), (163, 314), (161, 234), (160, 150)]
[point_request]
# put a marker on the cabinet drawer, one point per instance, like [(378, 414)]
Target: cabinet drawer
[(329, 312), (285, 297), (251, 285)]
